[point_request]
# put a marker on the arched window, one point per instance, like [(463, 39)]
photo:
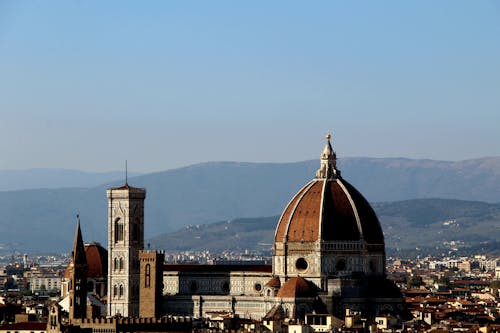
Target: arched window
[(115, 264), (147, 276), (121, 264), (121, 290), (118, 230), (115, 290)]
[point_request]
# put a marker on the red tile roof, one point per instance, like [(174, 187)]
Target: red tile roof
[(296, 287), (97, 260), (274, 282)]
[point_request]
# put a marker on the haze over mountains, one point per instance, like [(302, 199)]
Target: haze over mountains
[(44, 219), (11, 180), (428, 224)]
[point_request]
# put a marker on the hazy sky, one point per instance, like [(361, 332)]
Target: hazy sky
[(88, 84)]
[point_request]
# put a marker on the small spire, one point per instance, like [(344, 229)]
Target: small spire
[(328, 160), (78, 251)]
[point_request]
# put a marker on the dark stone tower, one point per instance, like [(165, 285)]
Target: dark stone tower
[(78, 278), (151, 283)]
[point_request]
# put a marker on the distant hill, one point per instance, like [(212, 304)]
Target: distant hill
[(237, 234), (44, 219), (440, 223), (443, 223)]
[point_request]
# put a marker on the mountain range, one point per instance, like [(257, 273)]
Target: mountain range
[(44, 219), (443, 224)]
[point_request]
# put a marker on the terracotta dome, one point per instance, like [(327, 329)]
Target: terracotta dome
[(97, 261), (328, 208)]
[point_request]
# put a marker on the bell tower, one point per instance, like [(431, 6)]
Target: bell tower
[(125, 240), (78, 277)]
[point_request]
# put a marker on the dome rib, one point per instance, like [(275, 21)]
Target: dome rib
[(372, 231), (289, 212), (338, 216), (303, 223), (321, 209), (353, 207)]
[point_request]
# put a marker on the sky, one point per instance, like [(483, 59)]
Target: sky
[(162, 84)]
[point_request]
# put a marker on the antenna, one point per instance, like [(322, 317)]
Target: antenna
[(126, 173)]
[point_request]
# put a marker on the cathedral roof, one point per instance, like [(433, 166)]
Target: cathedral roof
[(296, 287), (328, 208), (97, 261), (274, 282), (276, 313)]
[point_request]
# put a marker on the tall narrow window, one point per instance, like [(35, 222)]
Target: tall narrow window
[(147, 277), (121, 264), (115, 264), (121, 290), (135, 231), (115, 290), (118, 230)]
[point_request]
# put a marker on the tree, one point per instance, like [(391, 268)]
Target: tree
[(414, 281), (444, 281)]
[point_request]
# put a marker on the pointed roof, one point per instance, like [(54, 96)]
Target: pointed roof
[(274, 282), (328, 151), (276, 313), (296, 287), (78, 251)]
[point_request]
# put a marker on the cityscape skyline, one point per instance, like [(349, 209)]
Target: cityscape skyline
[(88, 85), (190, 138)]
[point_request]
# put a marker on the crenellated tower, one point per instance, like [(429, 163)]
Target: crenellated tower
[(151, 286), (125, 240)]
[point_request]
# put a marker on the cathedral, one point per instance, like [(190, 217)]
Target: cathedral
[(329, 258)]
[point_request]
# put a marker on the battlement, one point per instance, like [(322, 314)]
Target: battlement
[(134, 320), (151, 255)]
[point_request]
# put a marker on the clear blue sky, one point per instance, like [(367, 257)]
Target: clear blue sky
[(88, 84)]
